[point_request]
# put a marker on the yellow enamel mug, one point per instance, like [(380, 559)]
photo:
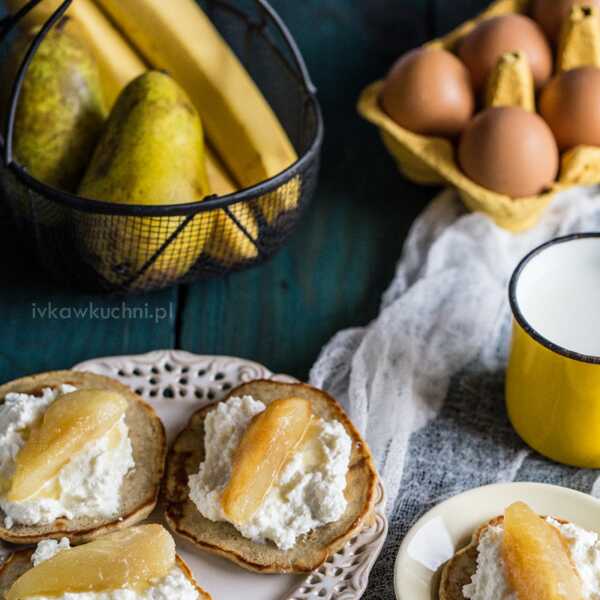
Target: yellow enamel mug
[(553, 377)]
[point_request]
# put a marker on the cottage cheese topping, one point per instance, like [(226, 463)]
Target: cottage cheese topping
[(89, 485), (174, 586), (489, 581), (46, 549), (310, 490)]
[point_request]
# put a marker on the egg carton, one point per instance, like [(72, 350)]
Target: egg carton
[(432, 160)]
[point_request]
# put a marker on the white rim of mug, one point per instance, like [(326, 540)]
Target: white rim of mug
[(520, 317)]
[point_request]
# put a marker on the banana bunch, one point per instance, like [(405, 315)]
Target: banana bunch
[(177, 37), (246, 144)]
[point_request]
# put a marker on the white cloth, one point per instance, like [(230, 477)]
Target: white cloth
[(445, 310)]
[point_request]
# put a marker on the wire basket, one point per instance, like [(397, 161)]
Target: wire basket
[(122, 249)]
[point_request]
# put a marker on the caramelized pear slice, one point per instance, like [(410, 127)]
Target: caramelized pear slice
[(126, 559), (264, 449), (536, 558), (71, 422)]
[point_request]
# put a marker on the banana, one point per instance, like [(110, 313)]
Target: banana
[(118, 62), (221, 182), (178, 37), (227, 242), (283, 200)]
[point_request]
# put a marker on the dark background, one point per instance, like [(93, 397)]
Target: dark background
[(332, 273)]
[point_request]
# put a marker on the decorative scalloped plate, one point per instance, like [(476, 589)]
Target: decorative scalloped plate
[(178, 383)]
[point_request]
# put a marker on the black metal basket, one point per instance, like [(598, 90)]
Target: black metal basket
[(123, 249)]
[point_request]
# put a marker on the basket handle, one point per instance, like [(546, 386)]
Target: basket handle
[(289, 38), (8, 26)]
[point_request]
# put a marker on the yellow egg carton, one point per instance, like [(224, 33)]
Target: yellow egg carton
[(432, 160)]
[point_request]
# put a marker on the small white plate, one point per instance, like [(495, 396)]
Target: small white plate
[(177, 384), (448, 527)]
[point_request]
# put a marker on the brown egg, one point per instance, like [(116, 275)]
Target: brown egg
[(510, 151), (570, 104), (551, 14), (428, 91), (482, 47)]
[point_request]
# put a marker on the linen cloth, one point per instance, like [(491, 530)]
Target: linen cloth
[(424, 382)]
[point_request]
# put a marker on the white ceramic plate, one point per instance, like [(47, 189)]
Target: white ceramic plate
[(448, 527), (176, 384)]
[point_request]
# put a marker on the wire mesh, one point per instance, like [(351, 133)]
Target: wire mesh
[(130, 249)]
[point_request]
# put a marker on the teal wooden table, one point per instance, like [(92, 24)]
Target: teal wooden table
[(332, 273)]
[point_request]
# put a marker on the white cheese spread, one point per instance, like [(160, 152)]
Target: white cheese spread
[(489, 581), (310, 490), (89, 485), (47, 549), (174, 586)]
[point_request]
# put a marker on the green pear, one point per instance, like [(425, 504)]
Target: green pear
[(61, 111), (151, 153)]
